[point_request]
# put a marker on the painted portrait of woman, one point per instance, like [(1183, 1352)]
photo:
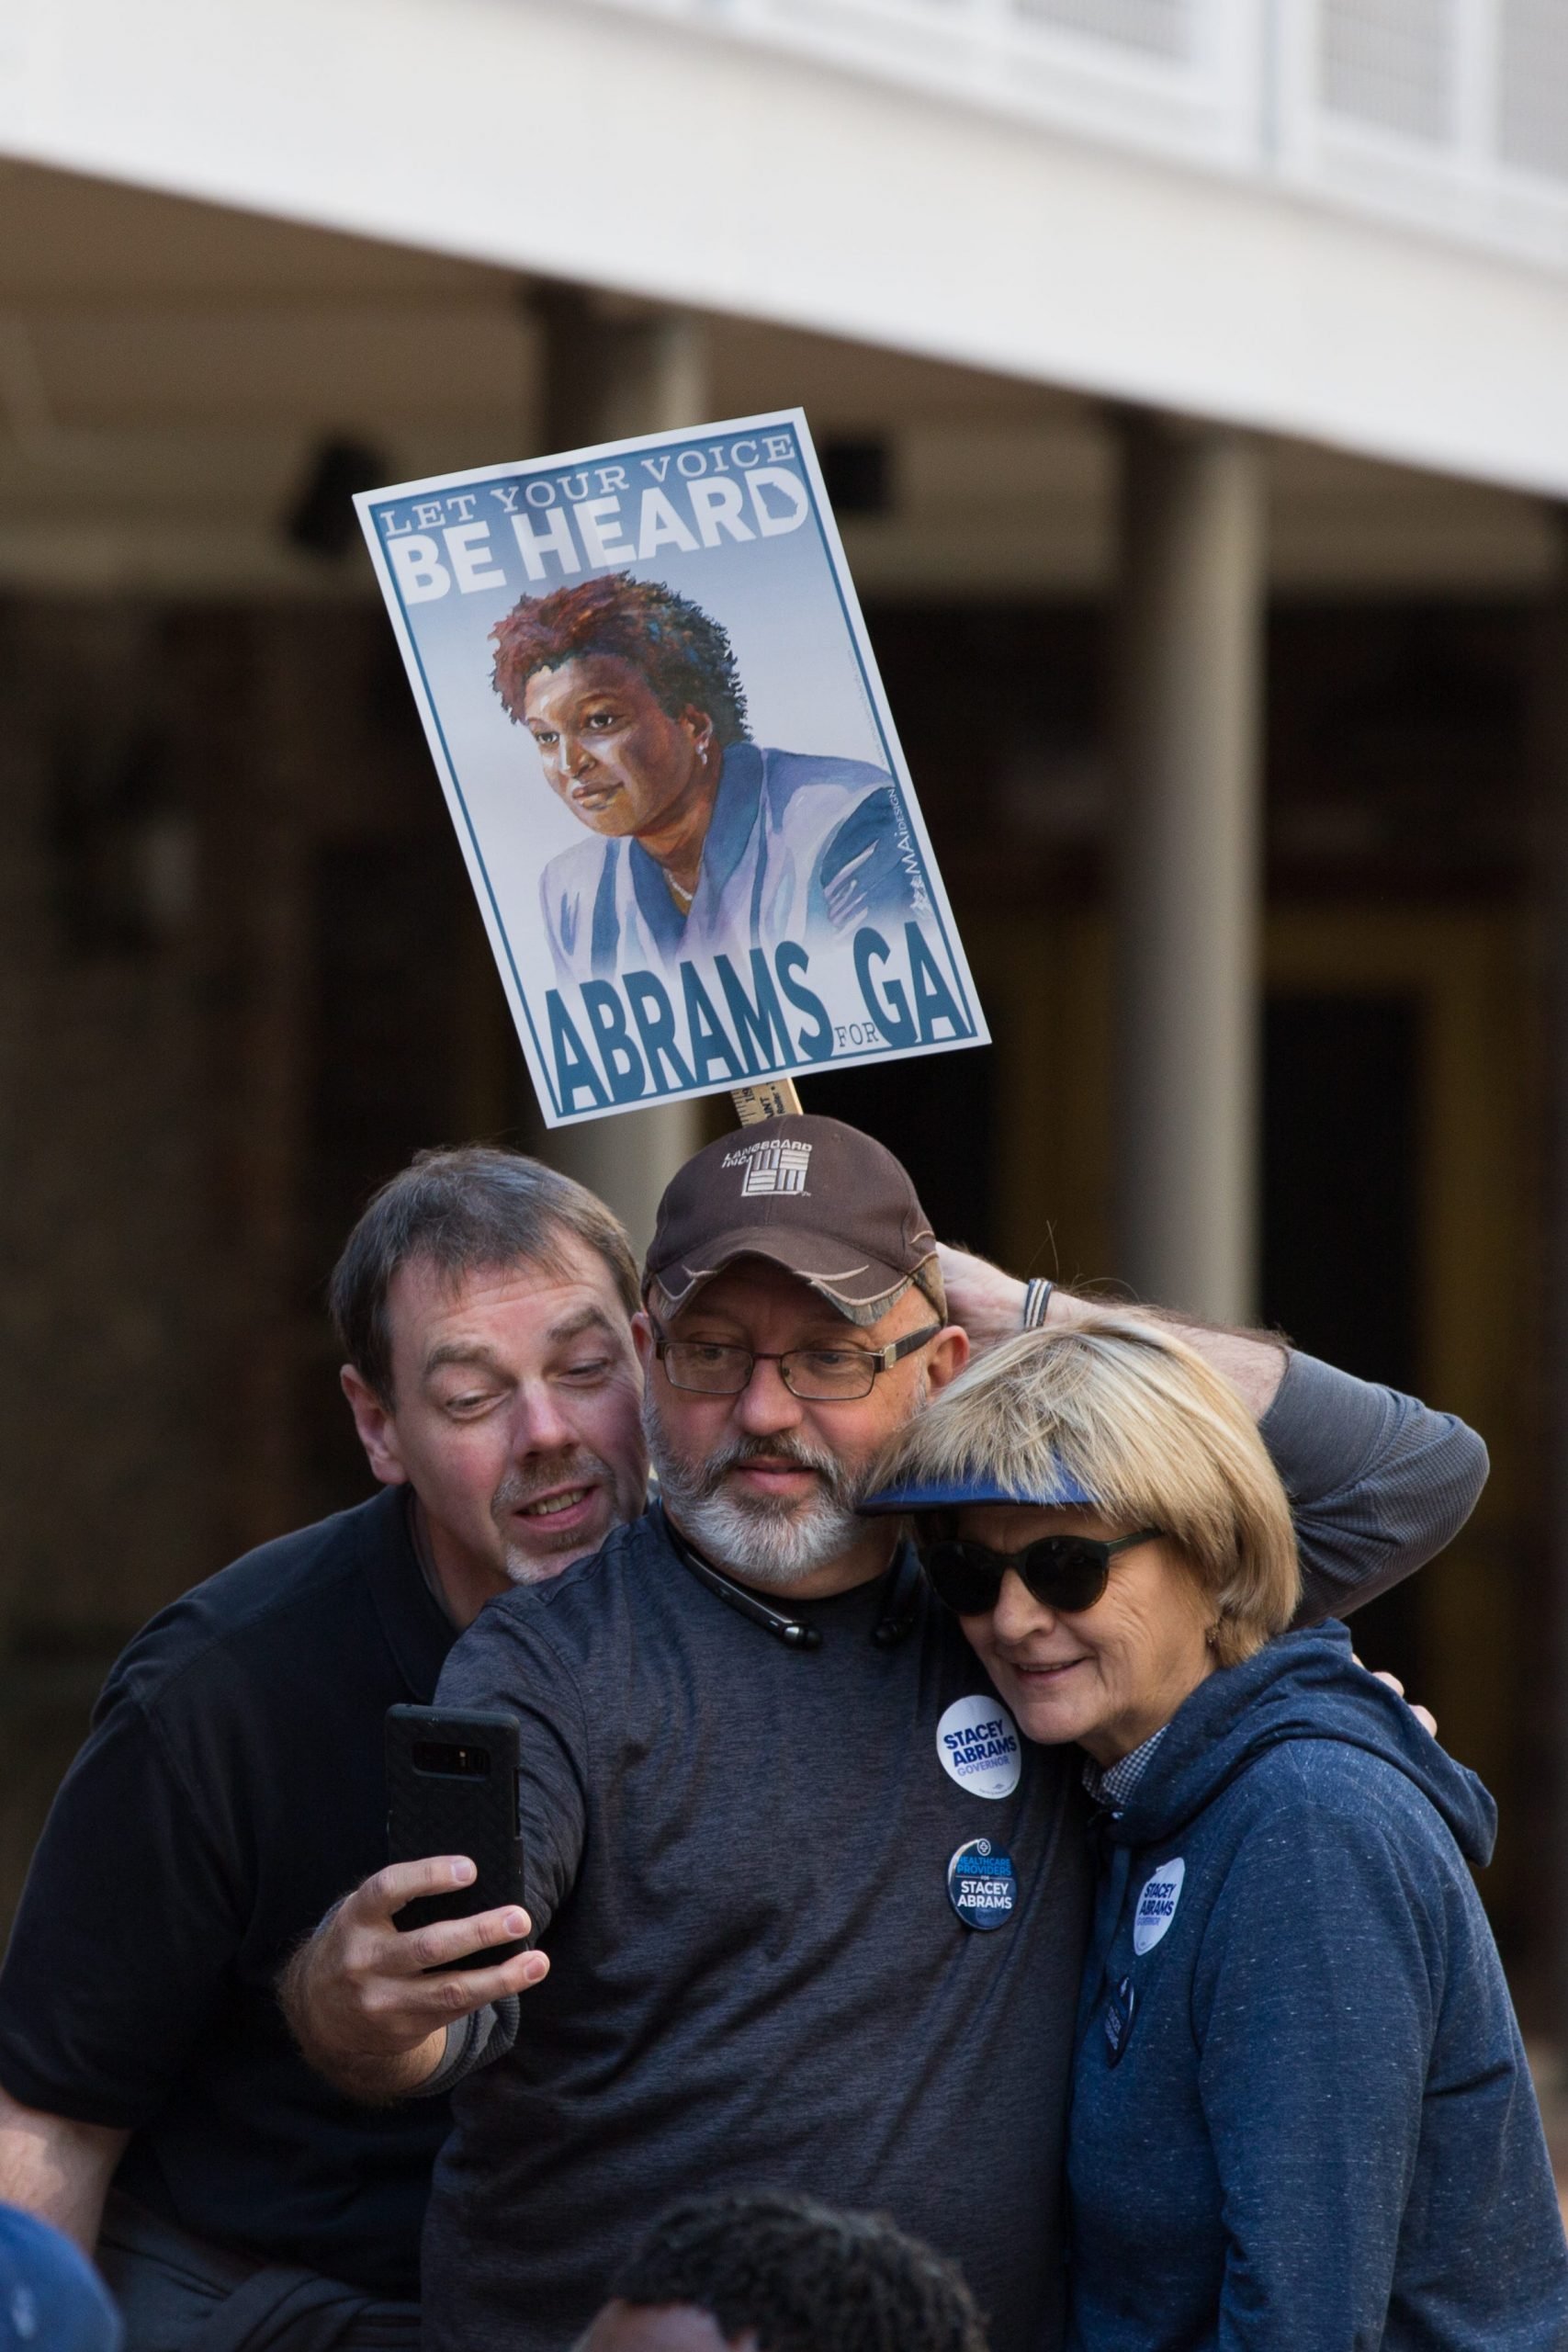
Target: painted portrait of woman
[(699, 839)]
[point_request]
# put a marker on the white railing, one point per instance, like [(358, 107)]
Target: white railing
[(1449, 114), (1173, 75)]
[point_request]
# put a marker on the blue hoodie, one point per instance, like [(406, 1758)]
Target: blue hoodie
[(1302, 2118)]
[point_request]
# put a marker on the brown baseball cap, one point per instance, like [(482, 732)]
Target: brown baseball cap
[(818, 1198)]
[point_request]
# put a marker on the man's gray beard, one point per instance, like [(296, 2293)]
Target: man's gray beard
[(776, 1544), (537, 1563)]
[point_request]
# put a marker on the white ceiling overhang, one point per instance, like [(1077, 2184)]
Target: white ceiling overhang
[(635, 152)]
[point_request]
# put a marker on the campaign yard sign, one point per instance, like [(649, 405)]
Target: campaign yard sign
[(651, 700)]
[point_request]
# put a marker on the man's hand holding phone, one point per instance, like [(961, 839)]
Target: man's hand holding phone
[(359, 1998)]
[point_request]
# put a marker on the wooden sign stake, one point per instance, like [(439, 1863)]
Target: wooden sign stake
[(775, 1098)]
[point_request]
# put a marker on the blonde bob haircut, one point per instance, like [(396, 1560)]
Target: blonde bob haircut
[(1134, 1417)]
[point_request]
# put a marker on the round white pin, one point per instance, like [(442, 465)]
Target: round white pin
[(978, 1744)]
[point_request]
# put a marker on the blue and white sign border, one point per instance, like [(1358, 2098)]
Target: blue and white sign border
[(369, 503)]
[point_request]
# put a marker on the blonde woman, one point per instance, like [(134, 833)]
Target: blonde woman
[(1302, 2119)]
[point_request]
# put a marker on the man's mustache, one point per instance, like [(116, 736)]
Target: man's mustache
[(709, 1476), (522, 1485)]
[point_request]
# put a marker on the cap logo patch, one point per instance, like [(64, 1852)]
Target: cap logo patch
[(775, 1167)]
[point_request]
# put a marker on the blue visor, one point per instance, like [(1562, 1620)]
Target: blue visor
[(951, 1493)]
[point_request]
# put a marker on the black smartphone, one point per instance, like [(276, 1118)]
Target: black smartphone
[(452, 1789)]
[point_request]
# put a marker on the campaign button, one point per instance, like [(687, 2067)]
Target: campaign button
[(980, 1884), (1120, 2011), (1157, 1904), (978, 1745)]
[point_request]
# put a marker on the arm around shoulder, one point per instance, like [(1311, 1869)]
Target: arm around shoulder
[(990, 1303), (1378, 1482)]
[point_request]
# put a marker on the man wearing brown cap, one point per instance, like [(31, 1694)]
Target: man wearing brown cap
[(757, 1754)]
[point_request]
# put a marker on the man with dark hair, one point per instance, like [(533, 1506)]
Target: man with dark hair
[(231, 1787), (705, 841), (762, 1770), (761, 2271)]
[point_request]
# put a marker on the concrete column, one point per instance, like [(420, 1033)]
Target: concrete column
[(1187, 883), (1547, 1718), (604, 377)]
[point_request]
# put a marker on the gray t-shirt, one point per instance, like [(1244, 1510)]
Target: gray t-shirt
[(737, 1857)]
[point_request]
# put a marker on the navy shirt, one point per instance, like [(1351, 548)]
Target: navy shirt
[(230, 1790)]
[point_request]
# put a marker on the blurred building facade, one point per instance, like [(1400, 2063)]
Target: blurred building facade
[(1189, 375)]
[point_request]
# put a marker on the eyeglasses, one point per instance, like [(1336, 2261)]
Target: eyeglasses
[(816, 1375), (1062, 1571)]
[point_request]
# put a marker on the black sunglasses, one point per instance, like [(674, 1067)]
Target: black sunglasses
[(1062, 1571)]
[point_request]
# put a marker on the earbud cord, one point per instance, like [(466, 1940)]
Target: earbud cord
[(895, 1622)]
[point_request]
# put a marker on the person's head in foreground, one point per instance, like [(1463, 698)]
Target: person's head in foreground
[(51, 2300), (761, 2271), (1098, 1508), (1300, 2111), (794, 1319)]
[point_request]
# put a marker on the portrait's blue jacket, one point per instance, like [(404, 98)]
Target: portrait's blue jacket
[(1302, 2117), (799, 848)]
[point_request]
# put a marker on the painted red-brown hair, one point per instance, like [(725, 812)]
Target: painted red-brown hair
[(680, 650)]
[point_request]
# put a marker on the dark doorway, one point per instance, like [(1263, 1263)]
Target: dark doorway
[(938, 1115), (387, 921), (1340, 1212)]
